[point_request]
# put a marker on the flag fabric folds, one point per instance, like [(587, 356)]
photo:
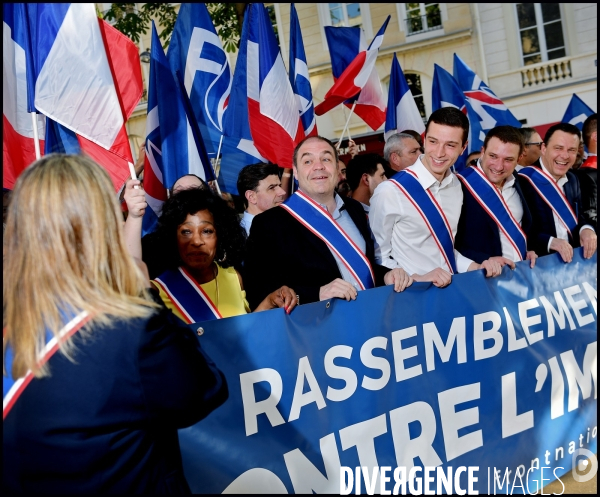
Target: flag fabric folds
[(124, 63), (402, 111), (359, 78), (168, 155), (299, 77), (262, 119), (445, 91), (71, 81), (197, 53), (485, 109), (46, 30), (577, 112), (18, 149)]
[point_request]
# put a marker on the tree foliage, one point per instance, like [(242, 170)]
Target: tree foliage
[(134, 22)]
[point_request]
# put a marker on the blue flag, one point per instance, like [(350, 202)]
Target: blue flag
[(299, 77), (170, 127), (577, 112), (485, 109), (197, 54)]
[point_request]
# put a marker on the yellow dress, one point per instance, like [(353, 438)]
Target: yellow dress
[(230, 301)]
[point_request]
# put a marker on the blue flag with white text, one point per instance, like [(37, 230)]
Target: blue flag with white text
[(488, 376)]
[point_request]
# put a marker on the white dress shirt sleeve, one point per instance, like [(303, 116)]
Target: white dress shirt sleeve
[(385, 212), (462, 262)]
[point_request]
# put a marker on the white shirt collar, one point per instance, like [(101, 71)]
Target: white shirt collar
[(561, 181)]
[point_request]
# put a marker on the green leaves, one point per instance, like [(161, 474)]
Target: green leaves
[(134, 22)]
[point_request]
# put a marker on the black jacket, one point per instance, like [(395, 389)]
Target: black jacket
[(281, 251), (108, 422), (543, 219), (478, 235), (587, 177)]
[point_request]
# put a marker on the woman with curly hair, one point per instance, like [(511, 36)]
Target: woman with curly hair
[(202, 242)]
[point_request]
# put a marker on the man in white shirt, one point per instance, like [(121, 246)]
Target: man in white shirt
[(495, 218), (554, 197), (405, 239), (260, 185)]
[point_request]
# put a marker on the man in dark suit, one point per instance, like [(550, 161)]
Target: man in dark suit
[(587, 173), (495, 218), (558, 225), (286, 247)]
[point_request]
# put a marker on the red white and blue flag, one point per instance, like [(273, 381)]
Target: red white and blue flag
[(299, 77), (124, 62), (18, 148), (577, 112), (168, 156), (402, 110), (359, 79), (485, 109), (272, 106), (70, 77)]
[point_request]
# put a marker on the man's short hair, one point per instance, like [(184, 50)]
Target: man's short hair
[(590, 125), (250, 176), (323, 139), (395, 143), (449, 116), (417, 136), (359, 165), (526, 133), (506, 134), (565, 128)]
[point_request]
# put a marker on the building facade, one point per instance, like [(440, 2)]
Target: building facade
[(533, 56)]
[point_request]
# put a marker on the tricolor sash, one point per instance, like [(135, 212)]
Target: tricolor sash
[(551, 193), (492, 201), (430, 211), (11, 388), (188, 296), (320, 222)]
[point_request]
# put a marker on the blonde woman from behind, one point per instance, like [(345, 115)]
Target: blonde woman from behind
[(98, 375)]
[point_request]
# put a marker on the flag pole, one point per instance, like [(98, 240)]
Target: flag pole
[(36, 137), (218, 169), (339, 143)]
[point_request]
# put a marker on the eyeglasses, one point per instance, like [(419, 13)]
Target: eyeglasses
[(539, 144)]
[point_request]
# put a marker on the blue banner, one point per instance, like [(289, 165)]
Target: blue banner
[(488, 376)]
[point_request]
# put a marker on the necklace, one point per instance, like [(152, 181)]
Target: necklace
[(216, 272)]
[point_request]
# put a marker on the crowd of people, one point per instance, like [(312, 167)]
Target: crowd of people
[(74, 274)]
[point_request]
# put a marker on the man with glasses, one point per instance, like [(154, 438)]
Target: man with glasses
[(533, 148)]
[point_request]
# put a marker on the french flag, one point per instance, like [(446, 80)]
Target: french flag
[(69, 78), (359, 78), (18, 148), (196, 52), (484, 108), (577, 112), (170, 115), (299, 77), (402, 111), (124, 62), (272, 106)]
